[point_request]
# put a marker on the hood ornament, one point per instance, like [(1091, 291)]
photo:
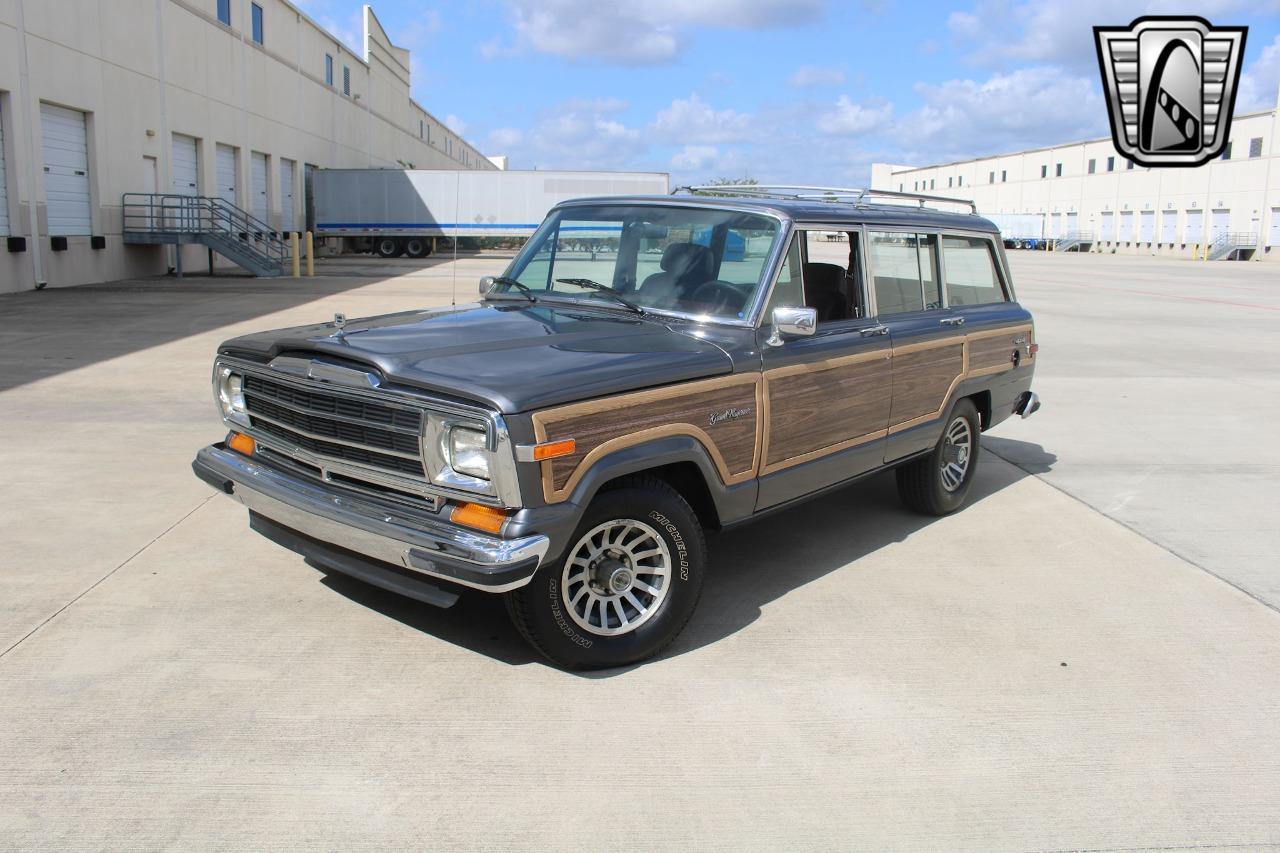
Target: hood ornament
[(339, 323)]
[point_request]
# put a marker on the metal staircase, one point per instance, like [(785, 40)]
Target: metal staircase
[(1232, 245), (155, 219), (1079, 240)]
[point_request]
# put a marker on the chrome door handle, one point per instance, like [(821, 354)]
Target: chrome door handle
[(875, 330), (951, 321)]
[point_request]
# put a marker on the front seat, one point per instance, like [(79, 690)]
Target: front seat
[(684, 267), (823, 286)]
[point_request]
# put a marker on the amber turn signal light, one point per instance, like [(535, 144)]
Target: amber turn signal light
[(554, 449), (242, 443), (479, 516)]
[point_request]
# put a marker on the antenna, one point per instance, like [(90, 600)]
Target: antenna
[(457, 211)]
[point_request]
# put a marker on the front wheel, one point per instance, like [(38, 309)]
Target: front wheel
[(938, 483), (626, 585)]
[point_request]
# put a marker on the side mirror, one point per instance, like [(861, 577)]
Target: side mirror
[(486, 284), (790, 322)]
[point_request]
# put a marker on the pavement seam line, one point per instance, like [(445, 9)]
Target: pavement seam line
[(1138, 533), (95, 584)]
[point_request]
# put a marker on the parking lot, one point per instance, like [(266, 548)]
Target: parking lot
[(1085, 658)]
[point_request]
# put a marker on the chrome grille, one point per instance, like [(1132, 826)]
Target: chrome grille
[(336, 426)]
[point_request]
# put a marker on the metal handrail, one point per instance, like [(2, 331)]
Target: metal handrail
[(174, 213), (857, 196), (1236, 239)]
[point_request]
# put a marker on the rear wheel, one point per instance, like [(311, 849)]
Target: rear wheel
[(626, 585), (938, 483), (417, 247), (388, 247)]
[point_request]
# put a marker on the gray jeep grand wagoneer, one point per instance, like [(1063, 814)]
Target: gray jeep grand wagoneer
[(648, 368)]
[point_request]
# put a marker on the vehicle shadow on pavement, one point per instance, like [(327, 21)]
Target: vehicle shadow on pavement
[(52, 331), (750, 567), (1031, 458)]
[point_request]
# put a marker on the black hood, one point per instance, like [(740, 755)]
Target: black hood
[(513, 357)]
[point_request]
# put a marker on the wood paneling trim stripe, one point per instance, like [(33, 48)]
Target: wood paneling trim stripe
[(545, 421)]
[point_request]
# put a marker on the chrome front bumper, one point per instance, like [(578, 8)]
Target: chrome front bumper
[(421, 543)]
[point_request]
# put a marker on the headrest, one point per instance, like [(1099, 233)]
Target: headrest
[(823, 278), (682, 259)]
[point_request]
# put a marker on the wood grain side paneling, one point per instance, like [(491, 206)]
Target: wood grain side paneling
[(991, 352), (822, 408), (696, 409), (923, 377), (782, 417)]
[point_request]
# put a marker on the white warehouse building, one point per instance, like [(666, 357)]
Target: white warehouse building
[(229, 99), (1089, 197)]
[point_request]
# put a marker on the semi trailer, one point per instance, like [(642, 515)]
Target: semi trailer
[(1020, 230), (404, 211)]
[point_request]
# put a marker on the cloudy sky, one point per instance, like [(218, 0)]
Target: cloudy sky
[(780, 90)]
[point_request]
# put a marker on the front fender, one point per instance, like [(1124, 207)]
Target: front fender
[(559, 520)]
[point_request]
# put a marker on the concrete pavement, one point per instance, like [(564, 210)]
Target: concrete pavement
[(1030, 674)]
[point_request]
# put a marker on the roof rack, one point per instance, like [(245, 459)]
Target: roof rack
[(859, 197)]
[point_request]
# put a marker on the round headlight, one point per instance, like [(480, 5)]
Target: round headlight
[(468, 453)]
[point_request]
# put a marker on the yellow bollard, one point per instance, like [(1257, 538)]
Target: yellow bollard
[(311, 255), (293, 246)]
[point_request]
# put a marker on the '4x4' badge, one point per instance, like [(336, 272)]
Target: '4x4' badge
[(1171, 87)]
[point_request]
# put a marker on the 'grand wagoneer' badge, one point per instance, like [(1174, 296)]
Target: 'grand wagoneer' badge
[(727, 415)]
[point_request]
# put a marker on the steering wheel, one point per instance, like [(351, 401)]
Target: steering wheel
[(719, 297)]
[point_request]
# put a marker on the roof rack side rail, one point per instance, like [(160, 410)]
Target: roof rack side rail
[(799, 192)]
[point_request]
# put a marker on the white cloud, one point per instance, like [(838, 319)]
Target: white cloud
[(966, 118), (1000, 32), (576, 134), (694, 158), (692, 120), (852, 119), (649, 33), (504, 139), (807, 76), (1259, 82)]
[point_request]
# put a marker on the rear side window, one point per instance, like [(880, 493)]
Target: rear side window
[(904, 272), (971, 272)]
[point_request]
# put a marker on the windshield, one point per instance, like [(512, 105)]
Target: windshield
[(697, 261)]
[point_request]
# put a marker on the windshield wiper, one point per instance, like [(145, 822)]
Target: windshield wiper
[(511, 282), (602, 288)]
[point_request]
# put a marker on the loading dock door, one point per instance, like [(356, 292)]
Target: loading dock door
[(1147, 226), (1221, 222), (1108, 226), (1073, 223), (1055, 225), (226, 169), (258, 185), (1169, 227), (65, 145), (288, 175), (4, 195), (186, 172), (1195, 226), (1273, 236), (1126, 226)]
